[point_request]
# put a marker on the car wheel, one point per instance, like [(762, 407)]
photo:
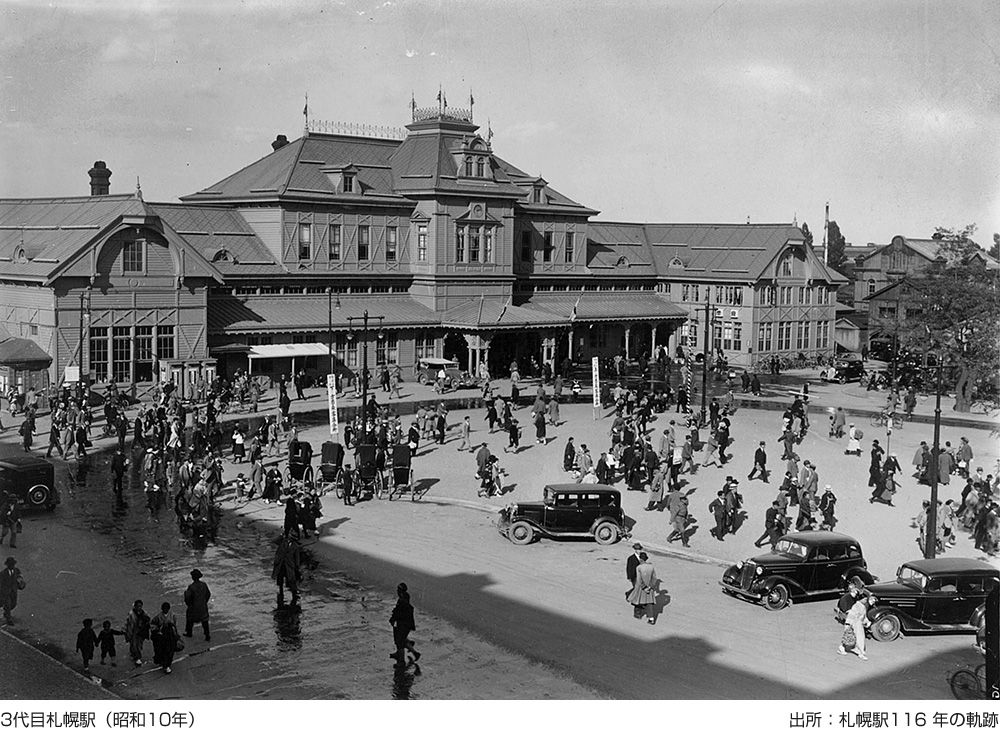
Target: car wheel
[(887, 628), (521, 533), (39, 496), (842, 380), (606, 533), (422, 379), (776, 598)]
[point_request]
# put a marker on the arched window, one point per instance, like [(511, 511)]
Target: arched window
[(785, 266), (480, 167), (468, 166), (871, 287)]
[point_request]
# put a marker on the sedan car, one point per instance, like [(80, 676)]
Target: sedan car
[(31, 479), (567, 509), (928, 596), (428, 369), (844, 371), (801, 564)]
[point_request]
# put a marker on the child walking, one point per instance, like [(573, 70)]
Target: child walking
[(86, 639), (106, 639)]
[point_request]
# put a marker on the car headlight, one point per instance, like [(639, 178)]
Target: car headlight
[(739, 564), (759, 570)]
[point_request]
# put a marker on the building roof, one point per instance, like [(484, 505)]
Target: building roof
[(497, 313), (930, 250), (16, 352), (597, 307), (273, 314)]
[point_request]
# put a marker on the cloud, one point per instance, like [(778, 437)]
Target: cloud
[(775, 79), (923, 119)]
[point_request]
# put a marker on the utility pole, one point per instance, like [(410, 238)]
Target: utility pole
[(930, 540), (364, 367), (705, 350)]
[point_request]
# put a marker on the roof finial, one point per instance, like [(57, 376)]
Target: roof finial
[(472, 102), (489, 132), (748, 219), (305, 115), (795, 220), (440, 96), (413, 106), (138, 189)]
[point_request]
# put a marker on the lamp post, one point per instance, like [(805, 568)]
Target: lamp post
[(705, 351), (930, 540), (329, 328), (364, 364)]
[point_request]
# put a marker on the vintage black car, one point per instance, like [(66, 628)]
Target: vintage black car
[(801, 564), (31, 479), (566, 510), (940, 595), (843, 371)]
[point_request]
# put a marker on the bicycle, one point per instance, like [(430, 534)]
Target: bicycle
[(882, 419), (966, 684)]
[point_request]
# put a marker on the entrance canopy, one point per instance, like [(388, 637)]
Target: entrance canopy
[(271, 351)]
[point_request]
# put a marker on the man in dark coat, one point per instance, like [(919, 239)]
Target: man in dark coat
[(196, 599), (569, 455), (118, 465), (773, 525), (718, 509), (10, 583), (287, 570), (402, 624), (759, 464), (875, 469), (630, 565)]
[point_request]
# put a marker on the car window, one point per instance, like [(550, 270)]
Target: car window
[(791, 548), (852, 551), (910, 577), (943, 585), (971, 586), (821, 553)]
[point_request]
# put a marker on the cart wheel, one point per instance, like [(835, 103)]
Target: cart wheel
[(393, 490), (288, 475), (378, 485), (338, 484), (308, 476), (413, 489)]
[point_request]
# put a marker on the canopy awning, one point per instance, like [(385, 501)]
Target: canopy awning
[(23, 354), (308, 349)]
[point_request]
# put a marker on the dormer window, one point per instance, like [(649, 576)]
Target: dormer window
[(132, 256), (480, 167), (468, 166), (536, 194), (348, 183), (785, 266)]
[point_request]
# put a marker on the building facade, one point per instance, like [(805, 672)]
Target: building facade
[(450, 250)]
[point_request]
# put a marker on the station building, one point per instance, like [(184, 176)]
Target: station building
[(450, 250)]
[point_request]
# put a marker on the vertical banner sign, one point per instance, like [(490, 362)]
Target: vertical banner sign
[(331, 396), (595, 380)]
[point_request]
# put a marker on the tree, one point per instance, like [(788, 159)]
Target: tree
[(950, 311), (807, 235), (995, 249), (836, 247)]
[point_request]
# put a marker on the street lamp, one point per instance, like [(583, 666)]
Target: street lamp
[(329, 328), (364, 363), (930, 540)]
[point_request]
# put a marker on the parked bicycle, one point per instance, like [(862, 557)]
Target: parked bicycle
[(884, 419)]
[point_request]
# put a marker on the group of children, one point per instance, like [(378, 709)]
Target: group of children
[(87, 641)]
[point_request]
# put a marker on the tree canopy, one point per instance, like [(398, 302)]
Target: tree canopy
[(836, 246)]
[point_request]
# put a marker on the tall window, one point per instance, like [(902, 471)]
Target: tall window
[(766, 295), (335, 241), (468, 166), (525, 246), (165, 342), (488, 245), (422, 242), (717, 330), (691, 292), (536, 195), (802, 336), (689, 337), (346, 351), (822, 335), (348, 183), (784, 335), (143, 354), (390, 243), (764, 337), (424, 344), (570, 247), (785, 295), (547, 247), (132, 254), (871, 287), (598, 336), (99, 352), (474, 245), (480, 167), (305, 241), (460, 244), (785, 266), (364, 243), (387, 348), (121, 354)]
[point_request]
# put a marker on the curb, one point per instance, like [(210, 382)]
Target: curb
[(93, 680)]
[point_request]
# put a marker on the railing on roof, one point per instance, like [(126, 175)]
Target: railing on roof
[(445, 112), (365, 130)]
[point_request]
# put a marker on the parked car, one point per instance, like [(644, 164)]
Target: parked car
[(567, 510), (801, 564), (843, 371), (31, 479), (940, 595), (454, 377)]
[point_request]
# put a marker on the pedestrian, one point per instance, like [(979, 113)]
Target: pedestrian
[(136, 631), (755, 385), (631, 563), (513, 437), (540, 428), (854, 436), (717, 508), (712, 450), (875, 468), (82, 442), (759, 464), (239, 446), (10, 519), (466, 431), (655, 488), (118, 465), (402, 623), (569, 456), (839, 422), (25, 430), (163, 634), (584, 461), (491, 416), (54, 441), (679, 518), (442, 425), (11, 581), (643, 595), (196, 599), (554, 410), (86, 639), (774, 525), (106, 640), (827, 505), (853, 639), (286, 569)]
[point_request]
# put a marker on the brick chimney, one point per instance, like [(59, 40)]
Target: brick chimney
[(100, 179), (279, 142)]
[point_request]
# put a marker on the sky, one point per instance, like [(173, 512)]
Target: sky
[(684, 111)]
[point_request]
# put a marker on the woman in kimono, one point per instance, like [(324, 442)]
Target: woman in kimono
[(643, 594)]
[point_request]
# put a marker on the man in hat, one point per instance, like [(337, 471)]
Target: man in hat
[(965, 458), (196, 599), (759, 464), (10, 583), (630, 565), (827, 505)]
